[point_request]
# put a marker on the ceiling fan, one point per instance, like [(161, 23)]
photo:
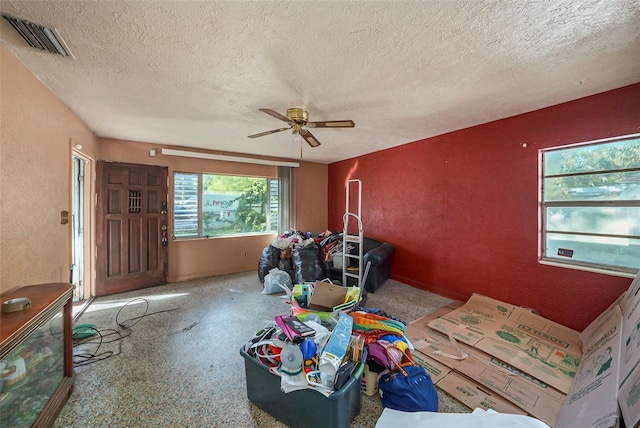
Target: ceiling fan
[(297, 118)]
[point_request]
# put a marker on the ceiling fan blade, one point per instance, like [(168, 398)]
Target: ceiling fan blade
[(309, 138), (275, 114), (332, 124), (262, 134)]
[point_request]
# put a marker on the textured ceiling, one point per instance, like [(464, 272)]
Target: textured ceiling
[(195, 73)]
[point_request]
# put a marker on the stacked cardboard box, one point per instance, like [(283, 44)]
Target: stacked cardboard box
[(608, 379), (491, 354), (499, 385), (629, 373)]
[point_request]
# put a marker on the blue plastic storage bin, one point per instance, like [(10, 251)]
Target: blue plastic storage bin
[(305, 408)]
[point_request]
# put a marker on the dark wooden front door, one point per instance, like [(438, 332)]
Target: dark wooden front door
[(131, 227)]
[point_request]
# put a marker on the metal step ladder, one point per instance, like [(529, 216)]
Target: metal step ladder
[(355, 239)]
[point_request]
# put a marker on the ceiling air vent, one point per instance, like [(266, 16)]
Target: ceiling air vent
[(37, 36)]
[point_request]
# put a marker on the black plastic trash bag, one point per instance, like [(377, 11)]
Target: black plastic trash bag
[(309, 264), (270, 259)]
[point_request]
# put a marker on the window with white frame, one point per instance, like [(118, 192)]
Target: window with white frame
[(207, 205), (591, 205)]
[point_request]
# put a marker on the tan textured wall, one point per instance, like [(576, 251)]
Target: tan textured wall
[(36, 134), (196, 258), (200, 258)]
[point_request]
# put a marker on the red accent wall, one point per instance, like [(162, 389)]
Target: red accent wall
[(461, 209)]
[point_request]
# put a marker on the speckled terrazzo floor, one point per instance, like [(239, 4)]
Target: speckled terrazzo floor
[(182, 367)]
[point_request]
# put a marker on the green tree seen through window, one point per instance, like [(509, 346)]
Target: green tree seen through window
[(251, 202), (592, 164)]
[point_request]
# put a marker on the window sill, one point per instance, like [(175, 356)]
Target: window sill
[(205, 238), (588, 269)]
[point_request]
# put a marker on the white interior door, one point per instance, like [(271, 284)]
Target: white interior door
[(77, 225)]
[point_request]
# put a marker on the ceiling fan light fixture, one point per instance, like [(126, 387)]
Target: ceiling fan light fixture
[(298, 115), (297, 118), (297, 138)]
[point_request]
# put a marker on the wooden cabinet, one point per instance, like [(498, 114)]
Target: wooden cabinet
[(36, 361)]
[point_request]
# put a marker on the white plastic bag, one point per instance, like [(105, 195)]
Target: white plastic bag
[(276, 281), (282, 243)]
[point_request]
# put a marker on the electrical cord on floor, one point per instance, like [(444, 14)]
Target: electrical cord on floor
[(105, 336), (83, 359)]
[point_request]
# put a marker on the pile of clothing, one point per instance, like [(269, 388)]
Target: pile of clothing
[(302, 255)]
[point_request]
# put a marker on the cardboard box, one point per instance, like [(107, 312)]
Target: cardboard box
[(369, 382), (629, 379), (629, 400), (519, 388), (546, 350), (592, 399), (608, 378), (327, 296), (474, 396), (505, 349), (436, 370), (481, 367)]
